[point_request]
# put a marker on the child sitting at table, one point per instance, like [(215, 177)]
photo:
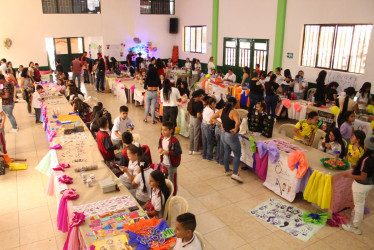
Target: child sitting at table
[(333, 142), (356, 147), (103, 141), (82, 108), (346, 129), (127, 140), (256, 121), (142, 182), (131, 169), (121, 124), (184, 231), (363, 176), (305, 129), (159, 195)]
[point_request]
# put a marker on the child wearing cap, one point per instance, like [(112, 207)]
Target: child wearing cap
[(363, 176)]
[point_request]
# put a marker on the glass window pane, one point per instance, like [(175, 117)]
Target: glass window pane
[(65, 6), (203, 49), (230, 44), (61, 46), (76, 45), (187, 39), (311, 33), (93, 6), (198, 39), (49, 6), (260, 46), (342, 47), (360, 47), (193, 39), (245, 45), (325, 46)]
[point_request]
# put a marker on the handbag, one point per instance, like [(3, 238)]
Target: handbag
[(268, 125)]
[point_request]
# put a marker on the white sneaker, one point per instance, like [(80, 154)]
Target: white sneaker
[(190, 152), (32, 115), (352, 229), (13, 130), (237, 178), (196, 153)]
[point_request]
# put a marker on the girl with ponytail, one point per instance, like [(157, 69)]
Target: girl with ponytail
[(347, 103), (141, 181), (159, 195)]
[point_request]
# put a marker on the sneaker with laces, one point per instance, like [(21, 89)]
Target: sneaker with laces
[(237, 178), (351, 228), (13, 130), (190, 152), (196, 153)]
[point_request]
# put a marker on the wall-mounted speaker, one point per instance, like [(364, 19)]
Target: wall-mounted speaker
[(173, 28)]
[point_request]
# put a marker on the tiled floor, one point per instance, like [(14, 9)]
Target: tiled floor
[(28, 216)]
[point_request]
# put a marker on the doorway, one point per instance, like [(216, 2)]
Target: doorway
[(66, 49)]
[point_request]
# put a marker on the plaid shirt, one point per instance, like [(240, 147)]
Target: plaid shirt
[(8, 89)]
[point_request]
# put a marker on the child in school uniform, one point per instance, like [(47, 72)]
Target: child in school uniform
[(159, 194), (170, 151), (333, 142), (2, 131), (127, 140), (356, 147), (207, 129), (306, 129), (184, 231), (131, 170), (141, 182), (121, 124), (104, 143), (363, 176), (37, 103)]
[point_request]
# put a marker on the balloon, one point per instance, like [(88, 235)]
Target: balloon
[(370, 109), (287, 103), (207, 76), (335, 110), (297, 107), (154, 49), (372, 124), (150, 48)]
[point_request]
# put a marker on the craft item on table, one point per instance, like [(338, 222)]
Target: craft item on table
[(51, 135), (114, 204), (339, 164), (72, 241), (267, 126), (17, 166), (297, 107), (168, 233), (92, 177), (57, 146), (48, 162), (119, 242), (298, 160), (285, 146), (148, 234), (74, 137), (337, 219), (65, 179), (285, 217), (318, 189), (62, 214), (85, 168), (108, 185), (89, 183), (271, 148), (316, 217), (287, 103)]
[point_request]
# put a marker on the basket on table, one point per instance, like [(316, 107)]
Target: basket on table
[(342, 164)]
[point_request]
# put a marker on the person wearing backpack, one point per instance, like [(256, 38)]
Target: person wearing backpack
[(170, 151)]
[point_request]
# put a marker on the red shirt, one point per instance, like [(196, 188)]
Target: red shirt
[(76, 67)]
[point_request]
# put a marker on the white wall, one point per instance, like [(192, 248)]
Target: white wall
[(300, 12), (119, 22)]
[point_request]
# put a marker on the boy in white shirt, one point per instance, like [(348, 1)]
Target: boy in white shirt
[(299, 87), (188, 64), (121, 124), (211, 65), (184, 230), (230, 76), (37, 103)]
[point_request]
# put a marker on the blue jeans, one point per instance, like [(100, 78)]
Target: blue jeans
[(150, 101), (79, 79), (220, 147), (271, 104), (207, 139), (100, 82), (8, 110), (254, 99), (232, 144)]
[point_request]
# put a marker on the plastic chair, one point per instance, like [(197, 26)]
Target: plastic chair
[(170, 186), (287, 130), (176, 203), (309, 94), (317, 138), (201, 239), (242, 113)]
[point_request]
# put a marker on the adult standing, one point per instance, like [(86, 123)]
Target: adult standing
[(230, 124), (100, 76), (271, 99), (257, 92), (160, 67), (138, 61), (320, 92), (30, 71), (246, 77), (211, 65), (59, 69), (76, 68), (84, 63), (152, 84), (8, 102), (3, 66), (170, 97), (347, 103), (129, 58), (27, 88)]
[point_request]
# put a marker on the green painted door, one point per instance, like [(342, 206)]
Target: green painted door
[(66, 48)]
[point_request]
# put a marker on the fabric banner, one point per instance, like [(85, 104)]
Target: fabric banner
[(183, 121), (280, 179), (247, 154)]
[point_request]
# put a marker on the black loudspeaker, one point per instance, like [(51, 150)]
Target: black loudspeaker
[(173, 29)]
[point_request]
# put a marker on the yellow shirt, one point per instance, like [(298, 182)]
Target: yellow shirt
[(305, 130), (354, 154)]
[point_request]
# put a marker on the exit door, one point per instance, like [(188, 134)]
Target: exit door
[(66, 49)]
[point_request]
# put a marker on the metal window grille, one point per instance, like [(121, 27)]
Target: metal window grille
[(166, 7), (195, 39), (71, 6)]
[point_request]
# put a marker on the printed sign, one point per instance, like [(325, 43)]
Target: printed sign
[(327, 119)]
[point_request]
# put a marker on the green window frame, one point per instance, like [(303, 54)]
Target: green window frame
[(241, 52), (161, 7), (71, 6)]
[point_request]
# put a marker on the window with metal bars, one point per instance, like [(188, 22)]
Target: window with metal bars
[(195, 39), (166, 7), (71, 6), (341, 47), (242, 52)]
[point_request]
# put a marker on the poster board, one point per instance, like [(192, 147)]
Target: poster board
[(327, 119), (280, 179), (345, 80), (115, 50)]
